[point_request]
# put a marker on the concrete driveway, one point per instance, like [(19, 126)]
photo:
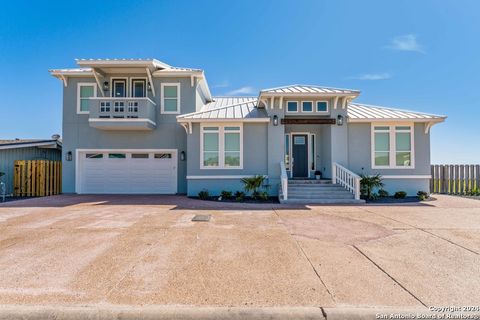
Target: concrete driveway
[(145, 250)]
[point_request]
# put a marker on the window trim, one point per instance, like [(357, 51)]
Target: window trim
[(112, 88), (313, 106), (85, 84), (322, 112), (221, 144), (162, 98), (286, 106), (393, 148)]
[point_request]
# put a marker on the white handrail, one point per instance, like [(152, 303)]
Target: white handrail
[(284, 180), (346, 178)]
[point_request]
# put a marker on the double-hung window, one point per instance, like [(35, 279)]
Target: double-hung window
[(221, 147), (85, 91), (170, 98), (392, 146)]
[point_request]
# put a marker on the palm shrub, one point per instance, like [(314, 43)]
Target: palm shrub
[(369, 183), (253, 185), (204, 194), (226, 194)]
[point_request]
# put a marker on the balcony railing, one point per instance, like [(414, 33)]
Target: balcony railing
[(122, 113)]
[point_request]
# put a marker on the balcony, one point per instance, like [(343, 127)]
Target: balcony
[(122, 113)]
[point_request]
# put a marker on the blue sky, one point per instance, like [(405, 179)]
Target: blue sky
[(419, 55)]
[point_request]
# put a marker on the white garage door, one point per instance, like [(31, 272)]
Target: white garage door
[(128, 172)]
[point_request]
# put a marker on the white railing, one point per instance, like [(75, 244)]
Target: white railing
[(347, 179), (284, 180)]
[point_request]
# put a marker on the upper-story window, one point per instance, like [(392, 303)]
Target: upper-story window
[(322, 106), (139, 88), (307, 106), (170, 98), (84, 92), (119, 88), (392, 146), (292, 106)]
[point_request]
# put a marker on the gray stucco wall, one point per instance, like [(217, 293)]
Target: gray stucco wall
[(8, 157), (254, 161), (360, 159), (77, 133)]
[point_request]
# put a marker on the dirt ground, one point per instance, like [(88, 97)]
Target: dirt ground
[(145, 250)]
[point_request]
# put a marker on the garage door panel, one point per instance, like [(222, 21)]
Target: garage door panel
[(127, 175)]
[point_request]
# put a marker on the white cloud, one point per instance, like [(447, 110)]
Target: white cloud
[(223, 84), (242, 90), (372, 76), (406, 42)]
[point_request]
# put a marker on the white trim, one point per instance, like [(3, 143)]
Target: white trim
[(77, 161), (162, 102), (144, 80), (28, 145), (209, 177), (97, 80), (414, 176), (85, 84), (396, 120), (221, 145), (206, 120), (112, 89), (392, 144), (125, 99), (118, 120), (286, 106), (313, 106), (322, 112), (149, 75)]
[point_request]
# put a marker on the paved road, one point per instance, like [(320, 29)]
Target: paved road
[(144, 250)]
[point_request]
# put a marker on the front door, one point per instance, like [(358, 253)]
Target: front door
[(300, 155)]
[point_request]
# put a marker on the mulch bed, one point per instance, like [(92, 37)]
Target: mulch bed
[(404, 200), (245, 200)]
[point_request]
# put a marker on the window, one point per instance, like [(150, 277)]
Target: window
[(392, 146), (307, 106), (322, 106), (163, 156), (299, 140), (85, 91), (170, 98), (139, 155), (312, 150), (292, 106), (138, 88), (94, 156), (287, 151), (221, 147), (119, 88), (117, 155)]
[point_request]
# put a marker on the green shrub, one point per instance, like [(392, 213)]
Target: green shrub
[(253, 184), (239, 196), (422, 195), (204, 195), (369, 183), (474, 192), (263, 195), (226, 194), (382, 193), (400, 195)]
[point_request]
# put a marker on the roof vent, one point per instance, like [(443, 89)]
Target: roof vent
[(55, 136)]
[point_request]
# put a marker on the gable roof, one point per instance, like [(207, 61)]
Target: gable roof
[(363, 112), (26, 143), (228, 108), (308, 89)]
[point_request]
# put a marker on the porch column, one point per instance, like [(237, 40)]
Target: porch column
[(276, 147)]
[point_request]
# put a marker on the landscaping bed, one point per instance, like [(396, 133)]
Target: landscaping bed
[(401, 200), (245, 200)]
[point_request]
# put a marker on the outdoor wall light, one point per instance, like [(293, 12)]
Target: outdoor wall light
[(149, 86), (105, 86), (340, 120), (275, 120), (68, 156), (182, 156)]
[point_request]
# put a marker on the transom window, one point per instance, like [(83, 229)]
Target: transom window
[(221, 147), (170, 98), (292, 106), (392, 146), (322, 106), (307, 106), (85, 91)]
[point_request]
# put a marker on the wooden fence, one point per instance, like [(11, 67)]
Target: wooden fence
[(454, 179), (37, 178)]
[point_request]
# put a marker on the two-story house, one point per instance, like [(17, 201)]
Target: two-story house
[(145, 127)]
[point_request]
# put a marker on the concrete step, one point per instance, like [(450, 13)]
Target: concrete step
[(323, 196), (319, 187), (322, 201), (309, 181), (318, 193)]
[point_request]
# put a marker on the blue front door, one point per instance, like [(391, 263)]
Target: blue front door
[(300, 155)]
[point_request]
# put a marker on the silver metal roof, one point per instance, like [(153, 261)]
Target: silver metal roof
[(364, 112), (228, 108), (308, 89)]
